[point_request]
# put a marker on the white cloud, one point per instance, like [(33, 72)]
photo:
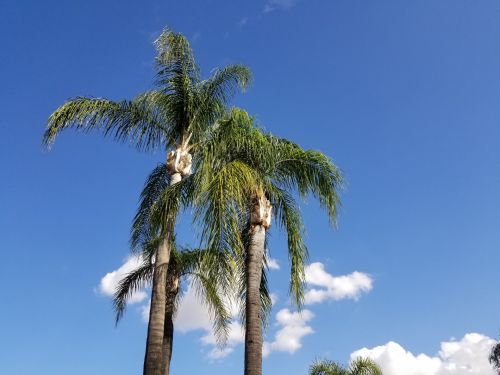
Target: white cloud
[(145, 311), (110, 281), (469, 356), (272, 263), (236, 336), (282, 4), (335, 287), (192, 315), (293, 328)]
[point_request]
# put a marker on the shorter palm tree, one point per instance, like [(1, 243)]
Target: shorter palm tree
[(205, 271), (360, 366)]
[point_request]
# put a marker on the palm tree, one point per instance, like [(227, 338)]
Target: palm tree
[(204, 277), (174, 116), (494, 357), (360, 366), (245, 175), (216, 265)]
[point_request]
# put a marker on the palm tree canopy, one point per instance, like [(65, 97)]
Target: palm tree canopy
[(239, 161), (204, 270), (360, 366), (177, 111), (160, 203)]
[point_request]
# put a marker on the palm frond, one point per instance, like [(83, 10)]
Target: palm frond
[(174, 55), (326, 367), (218, 207), (131, 283), (364, 366), (125, 121), (288, 217), (156, 183)]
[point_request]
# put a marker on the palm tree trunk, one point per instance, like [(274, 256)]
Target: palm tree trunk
[(156, 326), (179, 165), (154, 343), (168, 332), (260, 222)]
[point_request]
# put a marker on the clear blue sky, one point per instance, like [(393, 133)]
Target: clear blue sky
[(404, 95)]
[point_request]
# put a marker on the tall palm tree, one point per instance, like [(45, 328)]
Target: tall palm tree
[(173, 116), (246, 175), (360, 366), (204, 277)]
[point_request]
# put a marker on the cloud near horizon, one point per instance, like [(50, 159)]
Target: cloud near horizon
[(292, 327), (468, 356)]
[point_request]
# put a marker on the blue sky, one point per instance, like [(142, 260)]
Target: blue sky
[(403, 95)]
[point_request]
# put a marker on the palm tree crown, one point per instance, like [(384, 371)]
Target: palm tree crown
[(360, 366), (241, 165)]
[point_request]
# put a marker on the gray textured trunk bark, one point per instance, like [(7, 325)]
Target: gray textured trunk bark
[(168, 332), (253, 329), (260, 221), (154, 344)]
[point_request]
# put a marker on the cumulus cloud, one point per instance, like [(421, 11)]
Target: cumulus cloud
[(110, 281), (468, 356), (335, 288), (193, 315), (236, 336), (293, 328)]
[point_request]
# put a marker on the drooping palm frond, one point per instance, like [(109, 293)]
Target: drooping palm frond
[(288, 217), (130, 284), (217, 209), (157, 181), (125, 121), (279, 168), (171, 201), (182, 104), (207, 272), (307, 171)]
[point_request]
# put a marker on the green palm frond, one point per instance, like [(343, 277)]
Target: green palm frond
[(131, 283), (360, 366), (174, 57), (289, 218), (125, 121), (364, 366), (209, 274), (326, 367), (308, 171), (217, 206), (169, 204), (278, 168), (157, 181)]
